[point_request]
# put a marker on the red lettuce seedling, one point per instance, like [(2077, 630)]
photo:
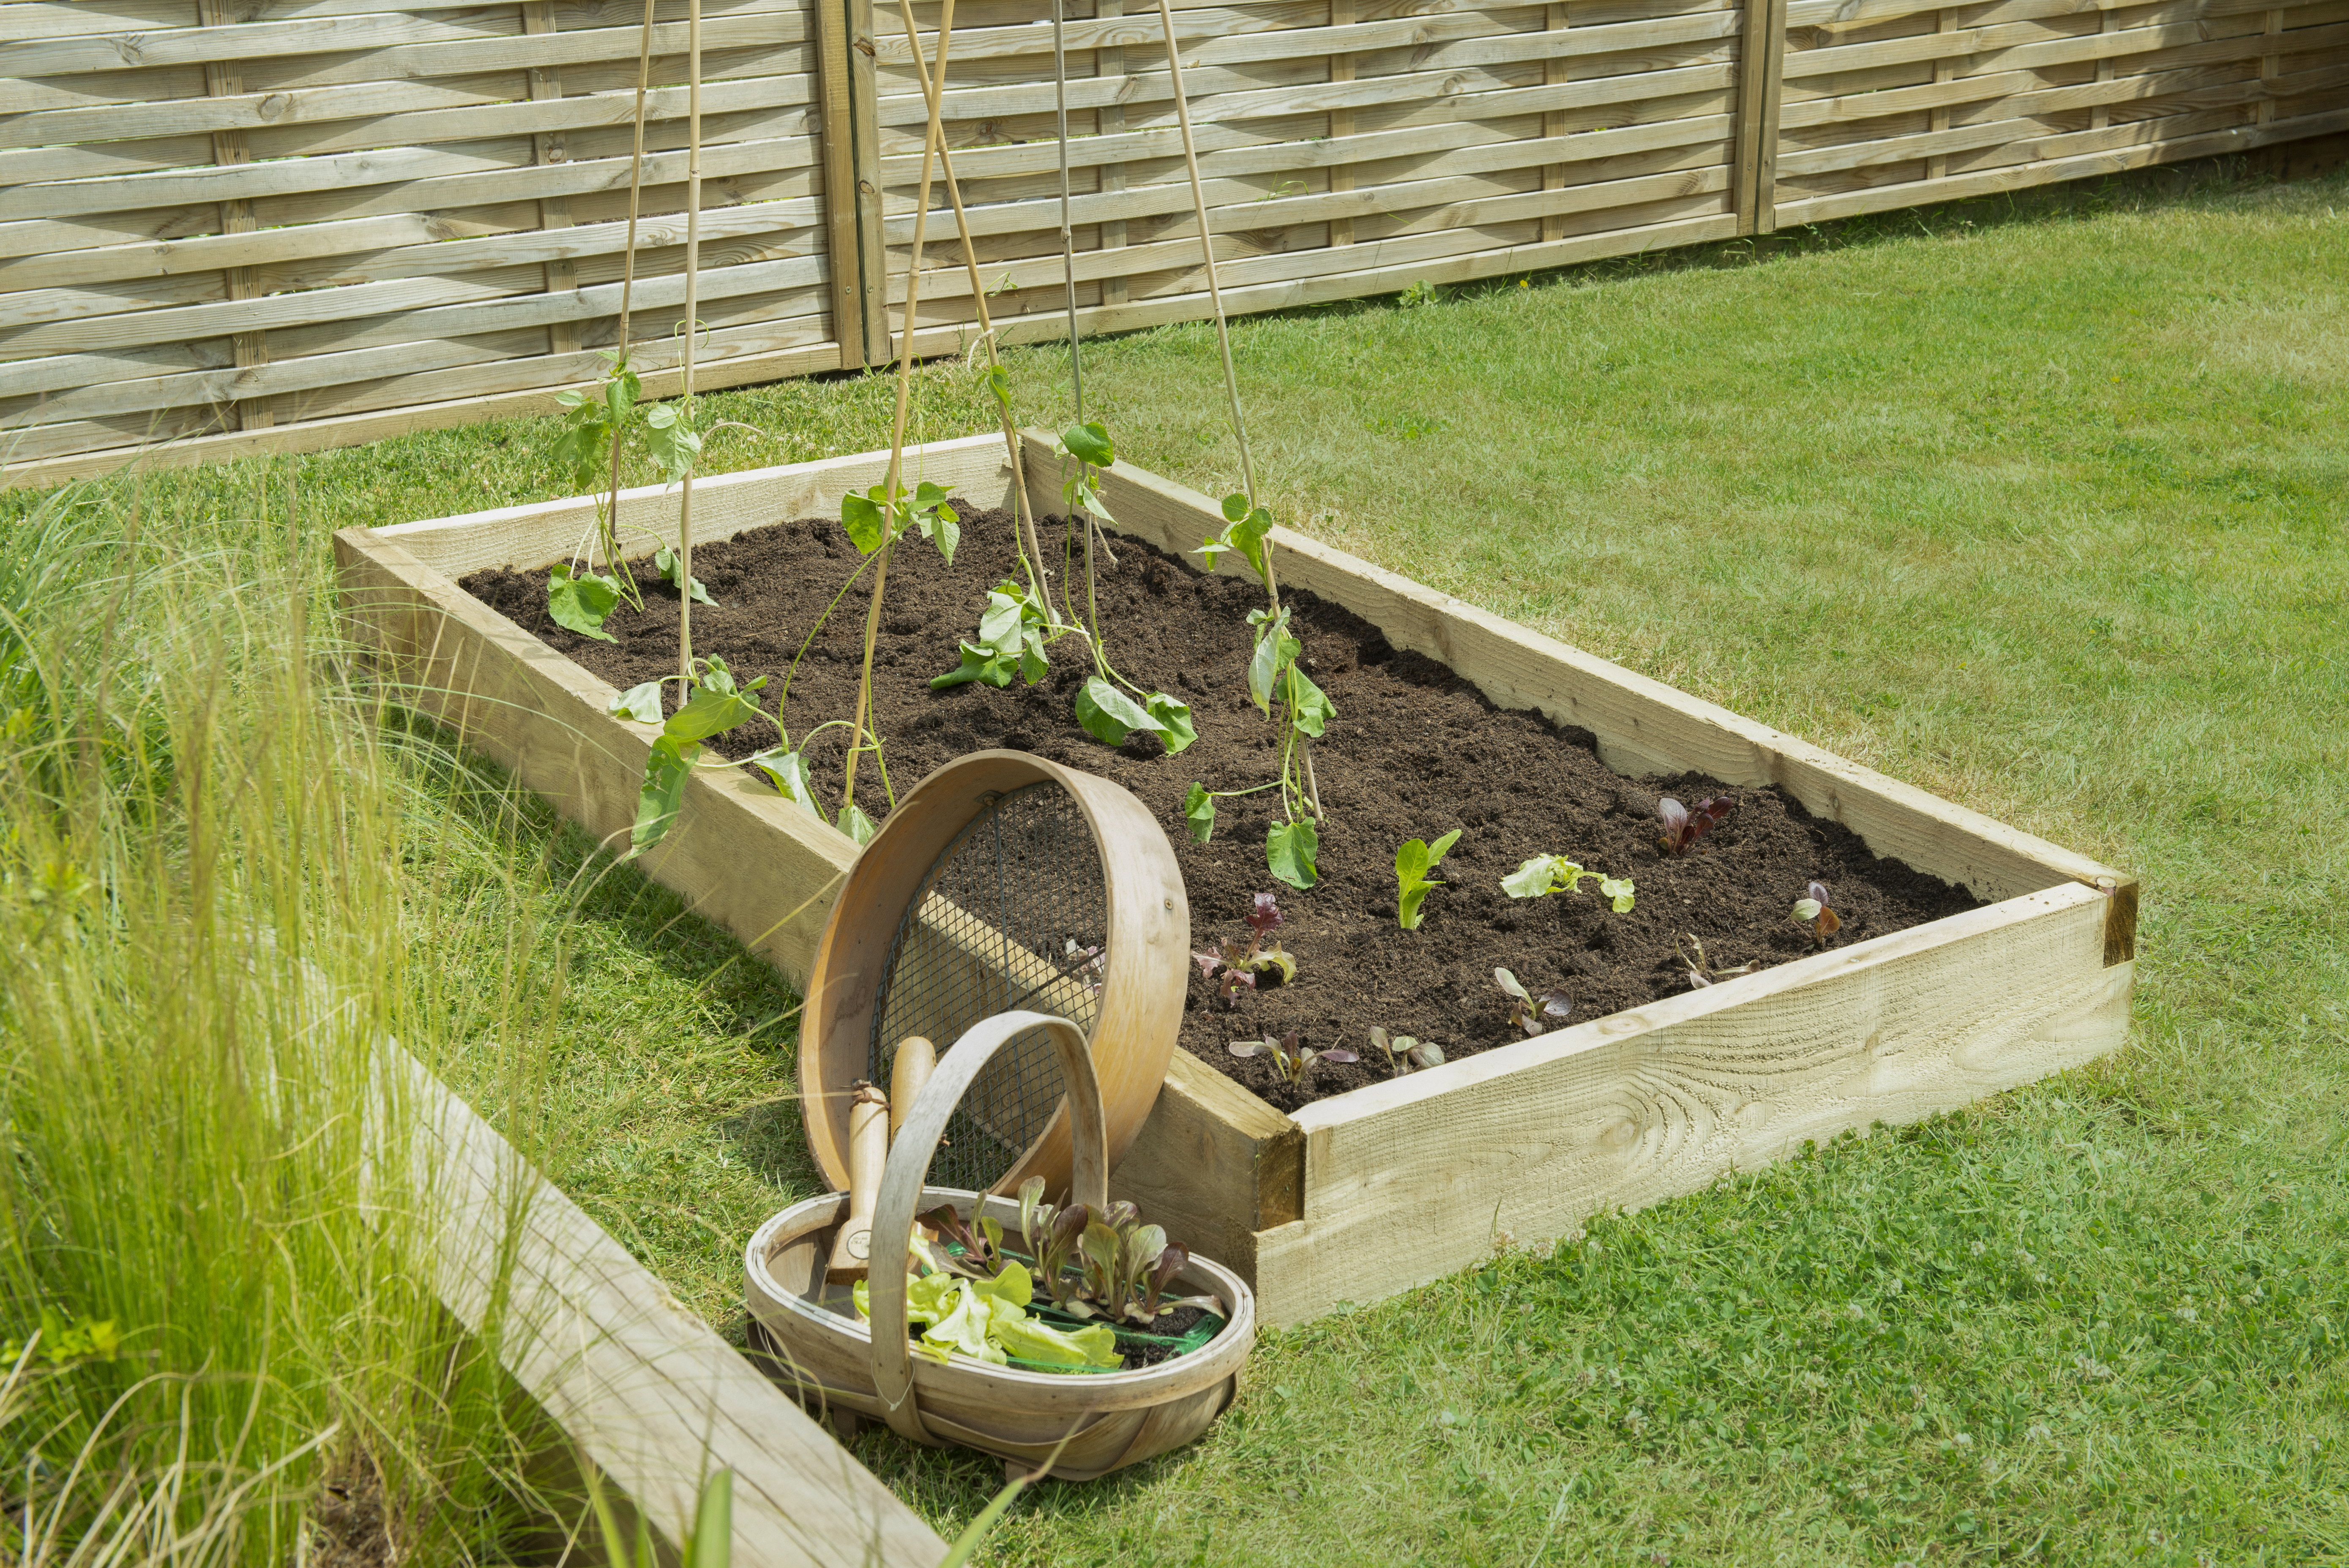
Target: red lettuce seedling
[(1813, 910), (1403, 1052), (1701, 972), (1291, 1060), (1528, 1011), (1684, 825), (1231, 966)]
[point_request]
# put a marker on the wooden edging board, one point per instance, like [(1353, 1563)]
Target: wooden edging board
[(1523, 1143), (649, 1392)]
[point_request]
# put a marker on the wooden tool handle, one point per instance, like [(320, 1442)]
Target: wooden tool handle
[(915, 1058), (868, 1155)]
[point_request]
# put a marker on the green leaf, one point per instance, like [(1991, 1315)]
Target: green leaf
[(1407, 903), (1175, 726), (1247, 538), (1109, 715), (1617, 891), (789, 770), (582, 449), (1235, 508), (853, 821), (1199, 813), (1442, 847), (580, 603), (640, 702), (1411, 861), (999, 628), (1532, 880), (998, 382), (710, 712), (985, 665), (1274, 649), (942, 528), (1290, 848), (1033, 665), (1090, 442), (865, 519), (674, 442), (1309, 708), (663, 793), (670, 564), (713, 1524)]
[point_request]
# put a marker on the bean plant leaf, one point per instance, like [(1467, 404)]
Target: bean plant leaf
[(866, 519), (1173, 719), (1275, 649), (579, 603), (1235, 508), (1309, 708), (640, 702), (790, 772), (1033, 665), (670, 564), (985, 665), (663, 793), (1090, 444), (1199, 813), (712, 711), (1289, 849), (999, 629), (1109, 715), (853, 821), (998, 382), (673, 441)]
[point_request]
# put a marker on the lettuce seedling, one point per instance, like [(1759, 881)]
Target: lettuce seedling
[(1546, 874), (981, 1257), (1701, 971), (1230, 967), (1812, 909), (1528, 1011), (1684, 825), (1413, 861), (1291, 1060), (1403, 1052)]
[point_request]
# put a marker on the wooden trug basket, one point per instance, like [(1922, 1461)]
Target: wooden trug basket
[(1109, 1419)]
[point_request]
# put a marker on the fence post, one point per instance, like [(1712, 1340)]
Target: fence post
[(1761, 71), (848, 100)]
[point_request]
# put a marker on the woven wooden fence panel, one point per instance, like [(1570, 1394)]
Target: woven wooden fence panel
[(235, 224), (1891, 103), (309, 210), (1347, 147)]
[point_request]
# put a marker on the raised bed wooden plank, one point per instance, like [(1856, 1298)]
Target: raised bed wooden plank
[(1432, 1172), (1617, 1112), (649, 1392)]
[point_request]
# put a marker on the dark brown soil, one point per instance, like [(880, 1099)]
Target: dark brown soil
[(1414, 753)]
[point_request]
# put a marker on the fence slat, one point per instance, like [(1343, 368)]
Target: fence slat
[(350, 218)]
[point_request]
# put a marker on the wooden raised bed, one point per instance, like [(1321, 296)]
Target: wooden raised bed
[(1369, 1193)]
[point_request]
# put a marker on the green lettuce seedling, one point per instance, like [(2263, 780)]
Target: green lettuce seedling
[(1546, 874), (1413, 861)]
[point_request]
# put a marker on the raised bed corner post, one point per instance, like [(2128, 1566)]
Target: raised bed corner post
[(848, 105), (1760, 74)]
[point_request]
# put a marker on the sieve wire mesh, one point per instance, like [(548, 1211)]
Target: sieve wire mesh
[(1013, 914)]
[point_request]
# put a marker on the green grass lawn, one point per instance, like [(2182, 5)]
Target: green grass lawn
[(2042, 504)]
